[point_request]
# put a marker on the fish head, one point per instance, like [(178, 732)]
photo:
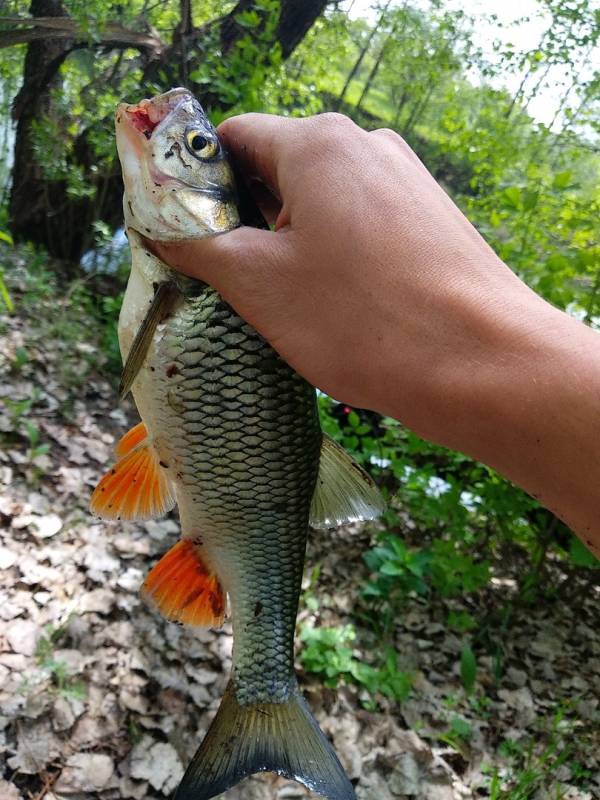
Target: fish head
[(178, 181)]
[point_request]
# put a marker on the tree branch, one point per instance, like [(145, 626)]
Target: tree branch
[(35, 28)]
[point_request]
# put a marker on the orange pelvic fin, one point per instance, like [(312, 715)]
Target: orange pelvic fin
[(138, 486), (183, 589), (131, 439)]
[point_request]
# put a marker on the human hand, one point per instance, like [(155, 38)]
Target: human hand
[(374, 287), (378, 290)]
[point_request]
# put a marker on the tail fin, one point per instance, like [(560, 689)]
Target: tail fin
[(268, 737)]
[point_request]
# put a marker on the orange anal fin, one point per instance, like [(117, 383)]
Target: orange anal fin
[(183, 589), (137, 487), (131, 439)]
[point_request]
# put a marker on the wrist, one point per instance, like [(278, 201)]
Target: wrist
[(531, 408), (483, 327)]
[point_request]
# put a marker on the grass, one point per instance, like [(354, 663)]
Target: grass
[(62, 682)]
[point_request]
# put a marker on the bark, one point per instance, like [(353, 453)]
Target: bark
[(295, 20), (41, 210), (400, 106), (33, 197)]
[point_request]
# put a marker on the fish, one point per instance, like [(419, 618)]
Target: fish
[(231, 434)]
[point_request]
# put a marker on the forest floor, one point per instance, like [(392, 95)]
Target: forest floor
[(101, 698)]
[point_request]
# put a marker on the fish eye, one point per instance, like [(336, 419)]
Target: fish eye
[(201, 146)]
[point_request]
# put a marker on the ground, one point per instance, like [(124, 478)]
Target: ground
[(101, 698)]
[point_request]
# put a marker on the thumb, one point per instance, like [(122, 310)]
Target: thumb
[(246, 266)]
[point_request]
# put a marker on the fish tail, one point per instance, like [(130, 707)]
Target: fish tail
[(267, 737)]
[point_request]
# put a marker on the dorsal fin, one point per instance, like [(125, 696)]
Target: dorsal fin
[(137, 487), (344, 491), (183, 589)]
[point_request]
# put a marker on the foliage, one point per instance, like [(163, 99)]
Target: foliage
[(463, 516), (58, 670), (534, 763), (327, 652), (468, 668)]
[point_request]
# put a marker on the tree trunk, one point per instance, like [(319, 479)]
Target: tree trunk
[(384, 47), (417, 111), (375, 68), (295, 20), (400, 105), (41, 209), (32, 197), (361, 56)]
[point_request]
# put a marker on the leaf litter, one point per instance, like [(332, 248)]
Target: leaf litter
[(101, 698)]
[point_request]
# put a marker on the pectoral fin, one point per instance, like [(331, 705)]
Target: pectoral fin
[(344, 491), (162, 304), (137, 487), (184, 589), (131, 439)]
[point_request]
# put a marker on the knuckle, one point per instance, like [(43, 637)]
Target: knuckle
[(388, 133), (335, 129), (333, 120), (390, 136), (332, 133)]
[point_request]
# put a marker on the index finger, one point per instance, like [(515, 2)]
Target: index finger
[(257, 142)]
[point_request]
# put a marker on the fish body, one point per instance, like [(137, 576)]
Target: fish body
[(231, 434), (238, 432)]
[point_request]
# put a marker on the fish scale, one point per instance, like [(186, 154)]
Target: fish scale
[(251, 470)]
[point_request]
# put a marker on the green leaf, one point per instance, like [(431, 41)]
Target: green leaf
[(32, 431), (557, 262), (468, 668), (512, 195), (393, 569), (21, 357), (6, 237), (562, 179), (6, 298), (461, 621), (461, 728), (353, 419), (198, 76), (530, 200), (581, 556)]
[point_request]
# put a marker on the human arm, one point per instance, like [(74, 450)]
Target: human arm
[(379, 291)]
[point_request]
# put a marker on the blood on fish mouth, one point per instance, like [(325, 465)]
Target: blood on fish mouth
[(146, 116), (140, 119)]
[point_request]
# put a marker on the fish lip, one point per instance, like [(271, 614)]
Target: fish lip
[(219, 193), (149, 114)]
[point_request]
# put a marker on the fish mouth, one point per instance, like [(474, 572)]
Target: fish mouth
[(148, 114), (136, 124)]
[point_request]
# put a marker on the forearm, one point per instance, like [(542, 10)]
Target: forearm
[(528, 404)]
